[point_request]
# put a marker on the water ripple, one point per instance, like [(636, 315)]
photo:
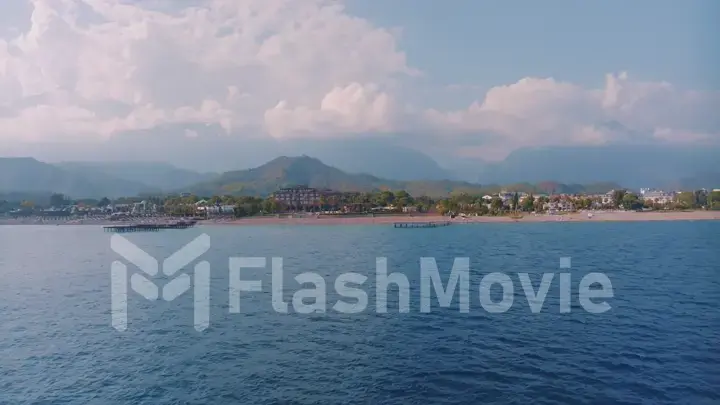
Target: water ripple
[(658, 345)]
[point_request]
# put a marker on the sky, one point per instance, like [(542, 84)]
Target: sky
[(482, 78)]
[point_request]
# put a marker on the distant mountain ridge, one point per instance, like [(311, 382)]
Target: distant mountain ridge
[(640, 161), (92, 179), (288, 171), (211, 149), (634, 166), (703, 180), (27, 175), (123, 179), (372, 156), (283, 172), (156, 175)]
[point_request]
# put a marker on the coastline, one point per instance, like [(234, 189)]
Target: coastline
[(390, 219), (598, 216)]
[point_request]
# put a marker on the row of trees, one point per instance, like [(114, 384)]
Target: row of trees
[(699, 199), (363, 202), (461, 202), (56, 200), (245, 206), (473, 204)]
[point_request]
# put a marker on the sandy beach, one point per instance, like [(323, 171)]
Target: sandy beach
[(597, 216), (618, 216)]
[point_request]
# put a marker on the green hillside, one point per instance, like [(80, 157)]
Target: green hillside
[(27, 175), (288, 171)]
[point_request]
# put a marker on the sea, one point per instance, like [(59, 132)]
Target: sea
[(656, 342)]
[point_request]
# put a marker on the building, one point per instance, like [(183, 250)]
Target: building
[(657, 196), (506, 197), (608, 198), (143, 207), (224, 209), (298, 198), (121, 208), (559, 206), (354, 208)]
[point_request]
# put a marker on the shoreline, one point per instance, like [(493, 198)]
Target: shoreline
[(527, 218), (606, 216)]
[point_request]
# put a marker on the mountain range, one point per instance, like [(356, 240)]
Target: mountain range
[(151, 175), (27, 176), (406, 157), (304, 170), (210, 150), (371, 165), (634, 166)]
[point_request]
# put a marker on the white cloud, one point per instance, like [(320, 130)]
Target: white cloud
[(351, 109), (224, 61), (537, 111), (92, 68)]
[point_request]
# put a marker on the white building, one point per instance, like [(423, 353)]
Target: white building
[(657, 196), (217, 209), (143, 207), (560, 206), (608, 198), (507, 197)]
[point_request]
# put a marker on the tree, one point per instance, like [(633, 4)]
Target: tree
[(496, 204), (443, 207), (515, 201), (584, 203), (58, 200), (529, 203), (539, 205), (686, 200), (631, 202), (385, 198), (104, 202), (714, 200), (240, 211), (402, 198), (618, 196), (323, 202), (270, 205)]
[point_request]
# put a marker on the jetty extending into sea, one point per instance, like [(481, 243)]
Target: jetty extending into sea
[(420, 224), (149, 227)]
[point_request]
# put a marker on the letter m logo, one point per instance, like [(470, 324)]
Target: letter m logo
[(150, 267)]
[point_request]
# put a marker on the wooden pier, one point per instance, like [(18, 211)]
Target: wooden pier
[(420, 224), (150, 227)]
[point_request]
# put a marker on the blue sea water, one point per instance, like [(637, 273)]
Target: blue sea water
[(658, 344)]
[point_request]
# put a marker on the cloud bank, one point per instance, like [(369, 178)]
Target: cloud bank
[(90, 69)]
